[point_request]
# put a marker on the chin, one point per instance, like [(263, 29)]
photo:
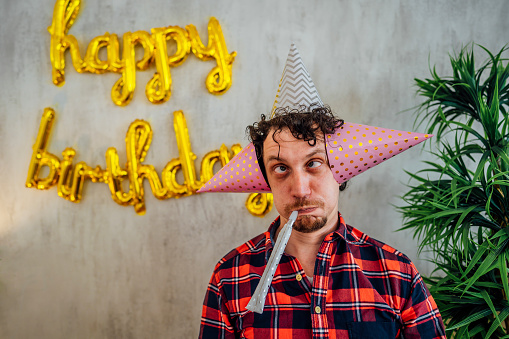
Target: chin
[(309, 224)]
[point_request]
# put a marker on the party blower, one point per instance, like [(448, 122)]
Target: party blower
[(257, 301)]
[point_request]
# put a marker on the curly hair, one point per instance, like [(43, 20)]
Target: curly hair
[(305, 123)]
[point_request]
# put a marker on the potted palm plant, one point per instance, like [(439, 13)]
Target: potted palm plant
[(458, 205)]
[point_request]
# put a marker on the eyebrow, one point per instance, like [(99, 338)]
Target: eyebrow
[(310, 155)]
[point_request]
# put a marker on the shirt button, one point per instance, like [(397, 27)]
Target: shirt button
[(298, 277), (318, 309)]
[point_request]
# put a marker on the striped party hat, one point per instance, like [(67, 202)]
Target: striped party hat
[(296, 88)]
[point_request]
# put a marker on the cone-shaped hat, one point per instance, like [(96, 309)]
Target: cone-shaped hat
[(241, 174), (296, 87), (351, 149)]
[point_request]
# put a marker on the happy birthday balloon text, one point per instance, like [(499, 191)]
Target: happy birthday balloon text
[(158, 89), (70, 178)]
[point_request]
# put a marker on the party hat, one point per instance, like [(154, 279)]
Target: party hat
[(354, 148), (241, 174), (296, 88), (351, 149)]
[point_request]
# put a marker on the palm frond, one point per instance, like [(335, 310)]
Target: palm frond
[(458, 205)]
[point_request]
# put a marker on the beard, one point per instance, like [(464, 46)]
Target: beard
[(307, 223)]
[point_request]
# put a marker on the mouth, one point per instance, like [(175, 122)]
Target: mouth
[(306, 210)]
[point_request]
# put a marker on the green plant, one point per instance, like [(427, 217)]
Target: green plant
[(458, 206)]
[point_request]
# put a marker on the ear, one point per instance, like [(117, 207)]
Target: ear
[(342, 186)]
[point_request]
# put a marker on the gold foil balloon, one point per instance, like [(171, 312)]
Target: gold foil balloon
[(115, 175), (138, 140), (259, 204), (113, 52), (40, 156), (123, 90), (170, 179), (207, 164), (158, 89), (69, 183), (94, 64), (70, 178), (64, 14), (187, 156), (219, 78), (65, 181), (71, 189)]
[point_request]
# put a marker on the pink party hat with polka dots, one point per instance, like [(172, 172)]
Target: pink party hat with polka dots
[(351, 149), (354, 148), (241, 174)]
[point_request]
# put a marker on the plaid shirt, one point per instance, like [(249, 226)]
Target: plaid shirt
[(361, 288)]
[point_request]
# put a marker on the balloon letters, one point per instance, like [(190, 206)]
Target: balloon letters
[(158, 89), (70, 178)]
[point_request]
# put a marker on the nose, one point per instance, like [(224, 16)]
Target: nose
[(300, 184)]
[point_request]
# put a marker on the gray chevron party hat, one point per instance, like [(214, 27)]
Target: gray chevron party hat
[(295, 87)]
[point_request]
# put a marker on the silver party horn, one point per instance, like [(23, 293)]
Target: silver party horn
[(257, 301)]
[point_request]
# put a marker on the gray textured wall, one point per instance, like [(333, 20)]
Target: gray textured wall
[(98, 270)]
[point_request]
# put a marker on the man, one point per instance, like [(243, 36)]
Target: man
[(333, 281)]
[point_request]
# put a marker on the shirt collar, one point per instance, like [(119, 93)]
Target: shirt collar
[(269, 237)]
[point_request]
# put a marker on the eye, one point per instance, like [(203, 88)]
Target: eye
[(314, 164), (280, 169)]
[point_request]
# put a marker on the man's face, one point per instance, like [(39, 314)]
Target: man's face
[(300, 179)]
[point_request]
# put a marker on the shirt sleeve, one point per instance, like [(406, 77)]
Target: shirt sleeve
[(420, 315), (215, 319)]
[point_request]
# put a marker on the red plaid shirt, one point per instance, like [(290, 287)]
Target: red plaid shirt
[(361, 288)]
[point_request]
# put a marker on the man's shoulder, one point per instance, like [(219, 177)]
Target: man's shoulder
[(384, 250), (245, 253)]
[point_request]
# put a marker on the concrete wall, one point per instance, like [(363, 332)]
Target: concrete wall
[(97, 269)]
